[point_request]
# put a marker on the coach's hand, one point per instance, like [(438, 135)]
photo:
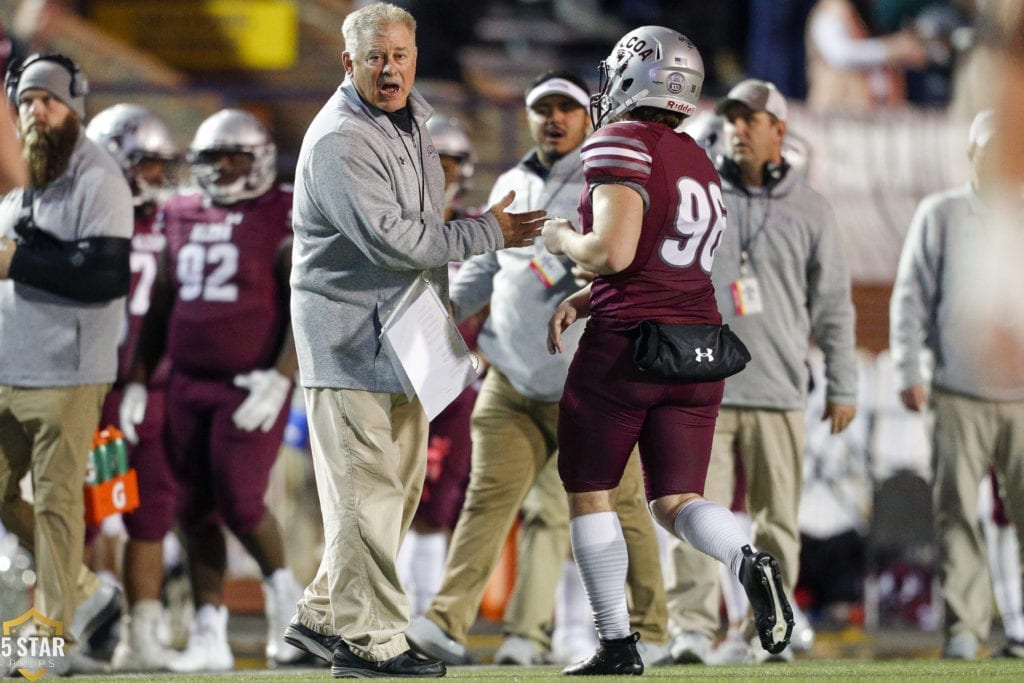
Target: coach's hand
[(268, 391), (517, 229)]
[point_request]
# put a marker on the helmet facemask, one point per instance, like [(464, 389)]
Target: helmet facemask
[(232, 131)]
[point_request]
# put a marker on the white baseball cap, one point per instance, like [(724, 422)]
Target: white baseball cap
[(758, 95), (558, 86)]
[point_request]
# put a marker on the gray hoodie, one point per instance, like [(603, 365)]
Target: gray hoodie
[(368, 219), (935, 297), (514, 337), (797, 256)]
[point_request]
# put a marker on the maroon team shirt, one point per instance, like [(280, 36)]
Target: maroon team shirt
[(147, 243), (669, 280), (229, 312)]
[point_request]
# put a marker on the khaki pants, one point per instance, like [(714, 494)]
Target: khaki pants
[(514, 444), (49, 432), (969, 436), (369, 457), (771, 446)]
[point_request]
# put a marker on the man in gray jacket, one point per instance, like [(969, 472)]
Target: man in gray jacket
[(368, 219), (978, 422), (781, 279), (515, 419), (65, 243)]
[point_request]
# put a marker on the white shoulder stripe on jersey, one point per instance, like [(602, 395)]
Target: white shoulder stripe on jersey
[(618, 139), (619, 163), (615, 151)]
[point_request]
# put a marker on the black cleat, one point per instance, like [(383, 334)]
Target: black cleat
[(409, 664), (306, 639), (773, 617), (618, 657)]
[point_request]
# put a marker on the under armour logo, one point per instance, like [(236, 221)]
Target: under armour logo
[(704, 355)]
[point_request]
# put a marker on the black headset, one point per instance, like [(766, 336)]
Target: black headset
[(79, 83), (771, 173)]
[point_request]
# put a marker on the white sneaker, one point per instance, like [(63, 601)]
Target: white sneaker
[(690, 647), (97, 610), (654, 654), (960, 646), (281, 592), (732, 650), (802, 639), (516, 651), (427, 638), (571, 645), (141, 648), (207, 648), (758, 655)]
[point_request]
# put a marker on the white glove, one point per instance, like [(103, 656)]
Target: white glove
[(268, 390), (132, 410)]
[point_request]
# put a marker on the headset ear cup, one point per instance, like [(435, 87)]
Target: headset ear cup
[(79, 84), (11, 79)]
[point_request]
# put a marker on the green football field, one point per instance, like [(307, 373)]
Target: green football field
[(892, 670)]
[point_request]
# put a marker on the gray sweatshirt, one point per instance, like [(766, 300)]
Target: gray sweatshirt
[(45, 339), (798, 260), (514, 337), (368, 220), (934, 297)]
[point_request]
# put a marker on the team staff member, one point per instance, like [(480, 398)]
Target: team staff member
[(64, 251), (369, 202), (651, 218), (978, 424), (781, 279)]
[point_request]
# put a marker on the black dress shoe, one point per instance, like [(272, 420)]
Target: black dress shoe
[(306, 639), (409, 664), (773, 615), (616, 657)]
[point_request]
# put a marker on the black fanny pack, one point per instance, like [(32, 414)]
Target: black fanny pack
[(689, 352)]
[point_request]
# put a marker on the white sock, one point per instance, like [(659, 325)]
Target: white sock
[(431, 550), (572, 612), (420, 565), (405, 562), (733, 594), (712, 529), (600, 551), (1005, 567)]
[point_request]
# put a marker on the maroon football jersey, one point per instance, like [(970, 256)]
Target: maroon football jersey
[(229, 313), (669, 279), (147, 243)]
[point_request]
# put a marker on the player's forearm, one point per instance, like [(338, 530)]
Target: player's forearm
[(588, 251)]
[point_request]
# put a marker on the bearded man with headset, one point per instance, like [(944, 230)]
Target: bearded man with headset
[(65, 242)]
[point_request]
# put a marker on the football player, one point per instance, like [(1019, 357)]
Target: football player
[(142, 145), (221, 312), (652, 216)]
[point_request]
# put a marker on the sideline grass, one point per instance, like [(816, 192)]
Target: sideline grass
[(812, 670)]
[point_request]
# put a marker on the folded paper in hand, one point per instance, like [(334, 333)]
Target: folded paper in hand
[(427, 350)]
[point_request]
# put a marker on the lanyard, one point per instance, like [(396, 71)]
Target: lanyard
[(418, 171), (748, 236)]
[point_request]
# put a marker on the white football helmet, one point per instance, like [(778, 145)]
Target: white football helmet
[(131, 133), (451, 139), (233, 130), (651, 66)]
